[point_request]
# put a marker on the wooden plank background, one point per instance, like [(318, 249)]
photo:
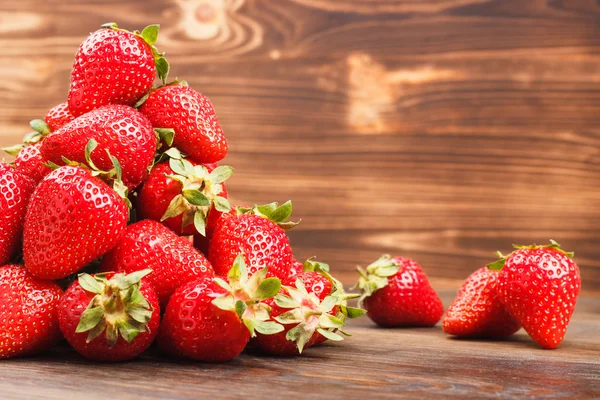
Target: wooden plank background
[(441, 130)]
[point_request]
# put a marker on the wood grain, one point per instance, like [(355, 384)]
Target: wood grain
[(441, 130), (373, 363)]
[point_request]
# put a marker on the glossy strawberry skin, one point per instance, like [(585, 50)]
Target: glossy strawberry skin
[(156, 193), (72, 219), (407, 300), (476, 310), (192, 116), (111, 67), (148, 244), (15, 191), (73, 304), (58, 116), (30, 162), (29, 313), (297, 268), (539, 288), (121, 130), (261, 241), (193, 327)]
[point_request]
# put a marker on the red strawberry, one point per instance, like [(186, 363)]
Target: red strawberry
[(58, 116), (539, 286), (148, 244), (119, 130), (114, 66), (476, 311), (192, 116), (72, 219), (258, 235), (307, 312), (112, 317), (15, 191), (396, 292), (181, 193), (212, 320), (30, 162), (28, 313)]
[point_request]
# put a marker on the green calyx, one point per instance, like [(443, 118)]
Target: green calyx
[(245, 296), (40, 130), (375, 276), (274, 212), (150, 35), (118, 308), (498, 264), (309, 315), (113, 177), (311, 265), (200, 191)]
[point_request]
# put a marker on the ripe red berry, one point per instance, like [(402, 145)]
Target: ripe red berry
[(119, 130), (113, 66), (72, 219), (30, 162), (15, 191), (476, 310), (148, 244), (28, 313), (539, 286), (192, 116), (58, 116), (112, 317), (396, 292)]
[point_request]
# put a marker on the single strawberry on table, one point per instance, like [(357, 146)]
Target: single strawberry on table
[(539, 286), (15, 192), (476, 310), (258, 233), (192, 116), (183, 194), (211, 319), (28, 313), (149, 244), (396, 292), (110, 317), (114, 66), (73, 218), (119, 130)]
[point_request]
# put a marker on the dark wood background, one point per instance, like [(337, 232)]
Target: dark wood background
[(440, 130)]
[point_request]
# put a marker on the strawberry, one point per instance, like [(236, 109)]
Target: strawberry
[(114, 66), (257, 233), (192, 117), (58, 116), (539, 286), (212, 320), (15, 191), (396, 292), (30, 162), (28, 310), (119, 130), (297, 268), (72, 219), (476, 311), (148, 244), (182, 194), (308, 315), (110, 317)]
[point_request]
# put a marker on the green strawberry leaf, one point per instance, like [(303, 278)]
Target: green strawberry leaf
[(150, 34)]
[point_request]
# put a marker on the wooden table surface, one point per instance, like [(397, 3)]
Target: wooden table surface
[(375, 363)]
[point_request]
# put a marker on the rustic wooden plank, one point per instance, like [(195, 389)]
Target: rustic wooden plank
[(373, 363), (441, 130)]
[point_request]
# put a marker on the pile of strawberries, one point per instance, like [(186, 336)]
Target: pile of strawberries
[(117, 198), (534, 287)]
